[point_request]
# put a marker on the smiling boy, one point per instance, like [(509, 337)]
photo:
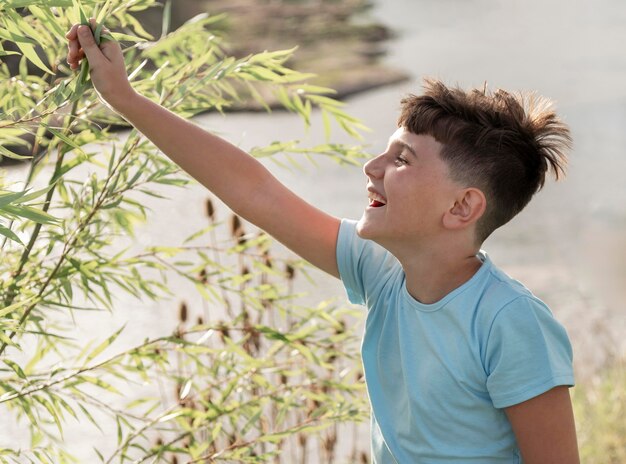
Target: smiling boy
[(462, 363)]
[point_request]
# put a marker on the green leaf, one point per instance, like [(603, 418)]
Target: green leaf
[(14, 34), (10, 235), (97, 34), (29, 52), (167, 16), (138, 28), (216, 431), (67, 140), (83, 76), (125, 37), (81, 13), (42, 349), (99, 453), (96, 381), (9, 309), (45, 16), (35, 194), (323, 101), (5, 339), (326, 122), (33, 214), (53, 412), (102, 346), (9, 154), (120, 433), (173, 415), (66, 406), (25, 3), (24, 27), (272, 334), (8, 198), (104, 12), (90, 417), (16, 368)]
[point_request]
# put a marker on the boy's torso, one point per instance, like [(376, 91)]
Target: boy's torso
[(435, 380), (426, 378)]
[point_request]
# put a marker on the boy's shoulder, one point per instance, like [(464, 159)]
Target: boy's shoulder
[(500, 292)]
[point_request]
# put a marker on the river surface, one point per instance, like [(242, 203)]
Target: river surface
[(568, 246)]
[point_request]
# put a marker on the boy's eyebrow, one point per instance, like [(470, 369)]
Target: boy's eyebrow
[(405, 145)]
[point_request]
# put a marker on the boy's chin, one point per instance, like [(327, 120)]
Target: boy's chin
[(364, 229)]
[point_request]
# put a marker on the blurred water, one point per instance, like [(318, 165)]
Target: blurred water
[(568, 246)]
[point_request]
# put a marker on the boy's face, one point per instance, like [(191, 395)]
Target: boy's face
[(410, 190)]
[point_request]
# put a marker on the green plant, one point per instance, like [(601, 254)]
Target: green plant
[(246, 387), (600, 407)]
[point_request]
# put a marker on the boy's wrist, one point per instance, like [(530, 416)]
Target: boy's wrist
[(123, 100)]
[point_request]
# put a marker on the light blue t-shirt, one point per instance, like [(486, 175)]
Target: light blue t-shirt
[(438, 375)]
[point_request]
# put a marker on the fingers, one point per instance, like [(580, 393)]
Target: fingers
[(74, 53), (71, 34), (81, 43), (88, 44)]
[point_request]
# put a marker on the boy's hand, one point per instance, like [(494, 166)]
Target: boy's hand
[(106, 63)]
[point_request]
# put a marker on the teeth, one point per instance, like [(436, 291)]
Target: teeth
[(373, 196)]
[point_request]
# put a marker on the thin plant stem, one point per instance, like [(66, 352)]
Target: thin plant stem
[(66, 249)]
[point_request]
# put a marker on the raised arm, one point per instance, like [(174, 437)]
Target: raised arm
[(238, 179)]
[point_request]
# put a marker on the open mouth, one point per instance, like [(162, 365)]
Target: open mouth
[(376, 203), (376, 199)]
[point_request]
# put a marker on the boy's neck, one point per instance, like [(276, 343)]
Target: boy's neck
[(432, 275)]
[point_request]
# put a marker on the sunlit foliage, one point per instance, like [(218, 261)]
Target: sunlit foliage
[(263, 380)]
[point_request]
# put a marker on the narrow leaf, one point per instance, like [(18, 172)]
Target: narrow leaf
[(102, 346), (14, 306), (16, 368), (10, 235)]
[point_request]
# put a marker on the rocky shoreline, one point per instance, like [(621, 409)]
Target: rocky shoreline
[(336, 40)]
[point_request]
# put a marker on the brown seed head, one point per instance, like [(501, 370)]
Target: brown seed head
[(183, 312), (210, 210), (330, 441), (236, 229), (223, 330), (290, 271)]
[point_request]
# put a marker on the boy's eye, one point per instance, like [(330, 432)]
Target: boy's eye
[(401, 160)]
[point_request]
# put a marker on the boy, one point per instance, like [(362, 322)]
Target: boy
[(462, 363)]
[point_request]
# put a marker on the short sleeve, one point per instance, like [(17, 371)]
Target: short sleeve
[(528, 353), (364, 266)]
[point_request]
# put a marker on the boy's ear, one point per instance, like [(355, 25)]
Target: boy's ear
[(468, 208)]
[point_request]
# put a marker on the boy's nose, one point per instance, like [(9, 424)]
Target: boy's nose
[(374, 168)]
